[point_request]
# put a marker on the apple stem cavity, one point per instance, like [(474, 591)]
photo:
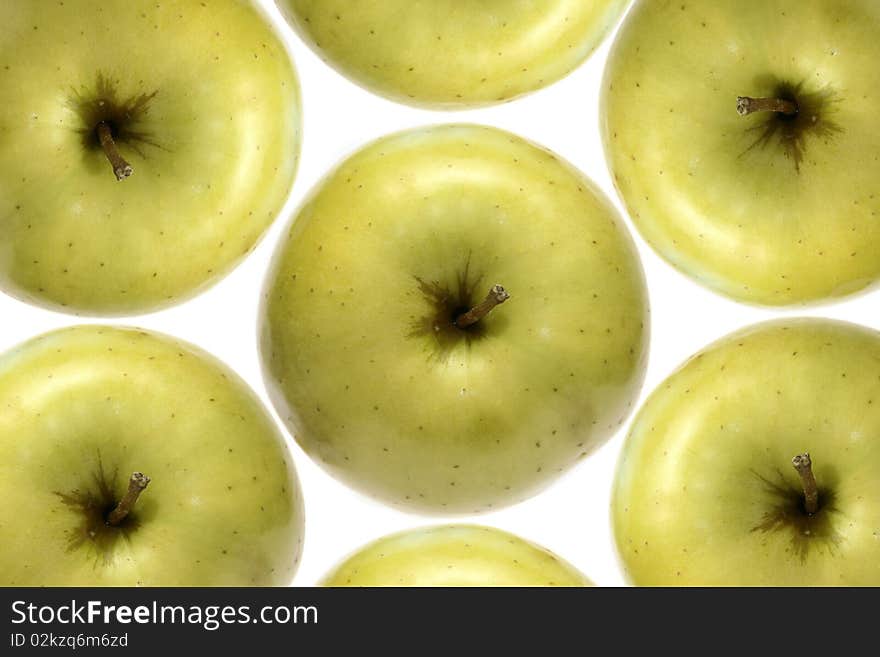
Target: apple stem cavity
[(121, 168), (746, 106), (497, 295), (804, 465), (136, 486)]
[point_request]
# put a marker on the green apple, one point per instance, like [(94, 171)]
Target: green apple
[(454, 555), (197, 101), (714, 486), (451, 54), (380, 346), (89, 417), (780, 205)]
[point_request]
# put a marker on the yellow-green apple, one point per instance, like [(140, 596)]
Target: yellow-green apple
[(742, 137), (756, 463), (451, 54), (381, 347), (454, 555), (194, 106), (130, 458)]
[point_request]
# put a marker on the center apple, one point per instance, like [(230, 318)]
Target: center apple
[(456, 318)]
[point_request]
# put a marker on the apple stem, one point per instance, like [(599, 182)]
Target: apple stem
[(497, 295), (121, 168), (136, 486), (804, 466), (746, 106)]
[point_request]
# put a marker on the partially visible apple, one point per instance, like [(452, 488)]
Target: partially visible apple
[(454, 555), (449, 54), (380, 345), (85, 409), (197, 101), (714, 486), (780, 206)]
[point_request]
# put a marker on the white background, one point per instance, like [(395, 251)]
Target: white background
[(572, 516)]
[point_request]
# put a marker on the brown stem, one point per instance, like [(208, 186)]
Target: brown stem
[(746, 106), (121, 168), (804, 466), (497, 295), (136, 486)]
